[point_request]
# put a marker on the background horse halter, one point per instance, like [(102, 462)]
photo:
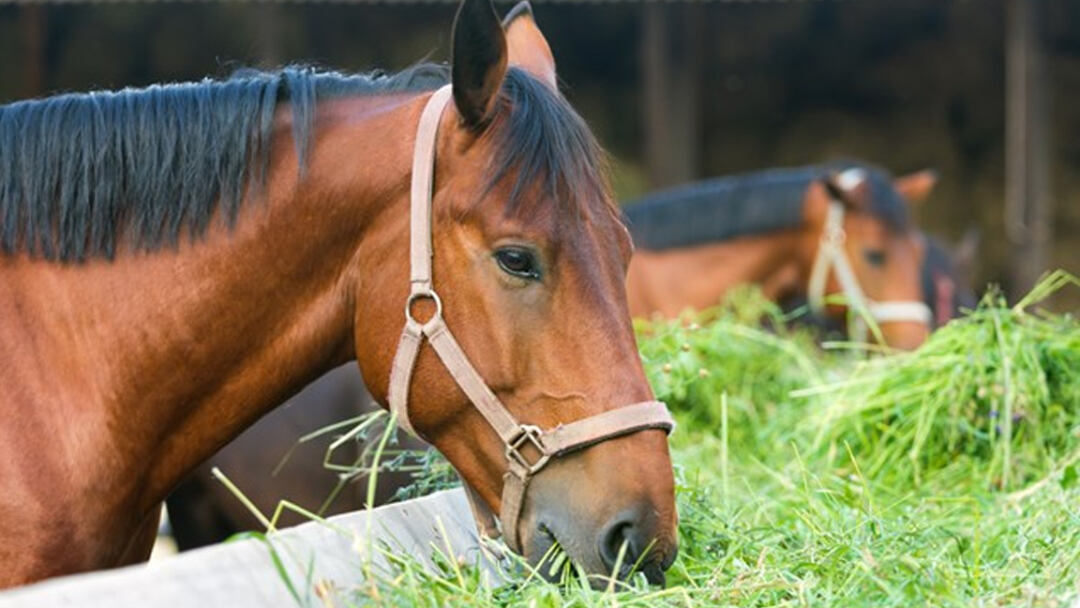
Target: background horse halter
[(833, 257), (516, 437)]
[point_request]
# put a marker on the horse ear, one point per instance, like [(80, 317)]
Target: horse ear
[(479, 61), (847, 187), (916, 187), (528, 49)]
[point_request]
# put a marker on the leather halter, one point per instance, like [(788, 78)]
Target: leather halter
[(515, 436), (831, 256)]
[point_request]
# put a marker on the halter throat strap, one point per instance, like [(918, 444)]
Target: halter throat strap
[(833, 257), (528, 448)]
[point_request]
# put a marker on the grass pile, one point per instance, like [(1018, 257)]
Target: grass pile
[(944, 477)]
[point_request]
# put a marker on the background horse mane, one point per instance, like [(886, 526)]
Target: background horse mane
[(724, 208), (80, 172)]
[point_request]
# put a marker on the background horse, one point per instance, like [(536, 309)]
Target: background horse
[(696, 242), (179, 260)]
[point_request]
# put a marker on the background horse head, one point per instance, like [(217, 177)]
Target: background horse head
[(695, 242), (180, 259)]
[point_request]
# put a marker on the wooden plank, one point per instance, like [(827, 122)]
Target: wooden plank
[(671, 49), (1027, 178), (242, 573), (32, 24)]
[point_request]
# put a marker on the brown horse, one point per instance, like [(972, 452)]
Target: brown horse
[(180, 259), (696, 242), (203, 511)]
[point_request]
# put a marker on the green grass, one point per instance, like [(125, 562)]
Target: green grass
[(944, 477)]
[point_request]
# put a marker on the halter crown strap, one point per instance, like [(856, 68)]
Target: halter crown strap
[(832, 257), (423, 178), (528, 448)]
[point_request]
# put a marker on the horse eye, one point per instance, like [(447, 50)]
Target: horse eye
[(518, 262), (875, 257)]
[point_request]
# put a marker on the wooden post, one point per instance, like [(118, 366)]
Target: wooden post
[(671, 59), (32, 24), (1027, 185)]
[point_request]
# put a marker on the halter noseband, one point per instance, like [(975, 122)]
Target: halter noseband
[(515, 436), (831, 255)]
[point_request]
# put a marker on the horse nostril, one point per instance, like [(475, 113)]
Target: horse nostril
[(625, 531), (611, 542)]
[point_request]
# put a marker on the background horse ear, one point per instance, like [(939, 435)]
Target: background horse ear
[(528, 49), (916, 187), (848, 187), (479, 61)]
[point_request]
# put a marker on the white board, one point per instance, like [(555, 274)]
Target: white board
[(242, 573)]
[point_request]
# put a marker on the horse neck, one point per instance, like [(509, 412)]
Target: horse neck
[(172, 354), (670, 281)]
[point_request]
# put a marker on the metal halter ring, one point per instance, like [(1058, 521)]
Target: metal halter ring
[(527, 433), (419, 295)]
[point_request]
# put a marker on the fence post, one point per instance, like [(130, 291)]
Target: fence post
[(1027, 186), (671, 63), (32, 24)]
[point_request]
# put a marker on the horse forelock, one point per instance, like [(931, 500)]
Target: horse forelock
[(885, 203), (554, 165)]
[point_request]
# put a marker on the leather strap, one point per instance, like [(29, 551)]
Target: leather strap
[(522, 442), (608, 425), (832, 257), (423, 179), (401, 372), (469, 379)]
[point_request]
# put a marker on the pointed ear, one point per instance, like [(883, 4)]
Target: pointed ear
[(847, 187), (528, 49), (479, 61), (916, 187)]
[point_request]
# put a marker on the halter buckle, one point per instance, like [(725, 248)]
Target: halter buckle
[(527, 434)]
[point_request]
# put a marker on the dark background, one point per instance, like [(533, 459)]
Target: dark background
[(732, 87)]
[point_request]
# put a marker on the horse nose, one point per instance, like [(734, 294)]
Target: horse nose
[(905, 335), (638, 537)]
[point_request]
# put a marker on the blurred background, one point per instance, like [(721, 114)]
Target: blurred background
[(984, 91)]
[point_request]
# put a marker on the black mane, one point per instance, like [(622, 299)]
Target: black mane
[(725, 208), (80, 173)]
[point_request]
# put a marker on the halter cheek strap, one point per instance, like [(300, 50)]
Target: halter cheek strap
[(832, 256), (545, 444)]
